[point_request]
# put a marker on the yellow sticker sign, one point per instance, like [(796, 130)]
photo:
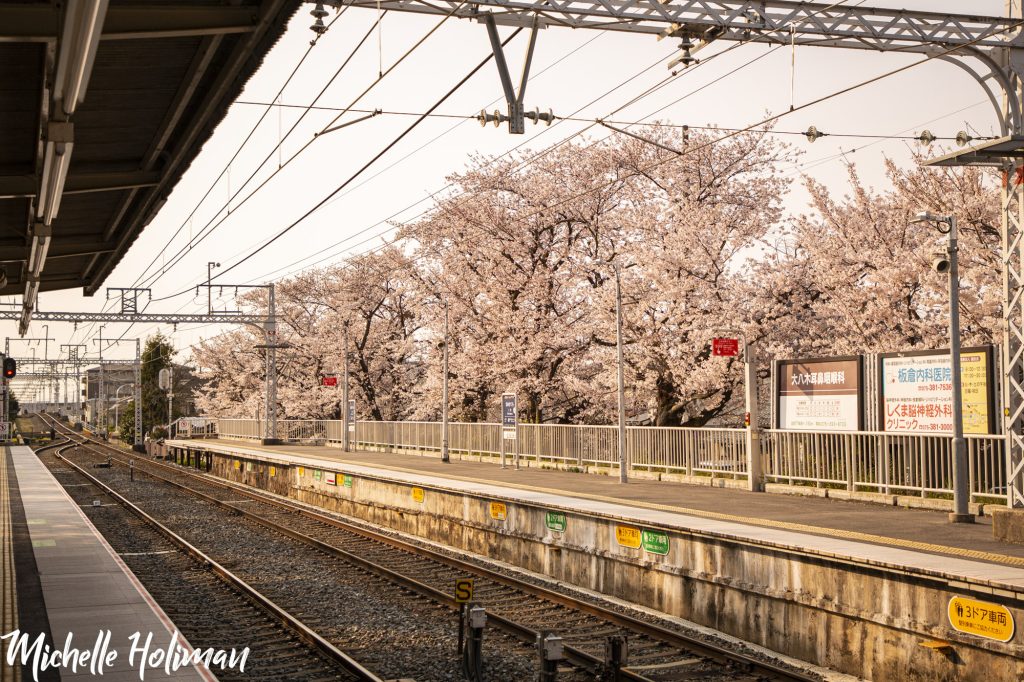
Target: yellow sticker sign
[(238, 465), (302, 471), (499, 511), (417, 494), (273, 471), (463, 590), (980, 618), (627, 536)]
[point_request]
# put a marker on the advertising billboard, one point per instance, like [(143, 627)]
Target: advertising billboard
[(917, 391), (819, 394)]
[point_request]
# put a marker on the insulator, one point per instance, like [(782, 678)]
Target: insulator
[(813, 134), (537, 116), (962, 138), (497, 118), (318, 13), (926, 137)]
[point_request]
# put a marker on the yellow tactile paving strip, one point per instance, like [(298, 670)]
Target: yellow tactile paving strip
[(8, 590)]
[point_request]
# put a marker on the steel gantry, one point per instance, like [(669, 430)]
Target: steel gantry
[(266, 323), (989, 48)]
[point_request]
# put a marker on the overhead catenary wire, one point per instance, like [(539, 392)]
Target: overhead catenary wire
[(306, 146), (580, 119)]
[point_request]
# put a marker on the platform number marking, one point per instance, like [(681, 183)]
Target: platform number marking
[(417, 495), (499, 511), (555, 521), (463, 590), (627, 536), (981, 618), (655, 541)]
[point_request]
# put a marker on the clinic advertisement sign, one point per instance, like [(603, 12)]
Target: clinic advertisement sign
[(819, 394), (917, 391)]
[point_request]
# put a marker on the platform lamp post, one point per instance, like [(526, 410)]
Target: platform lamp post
[(947, 263), (444, 390), (623, 464)]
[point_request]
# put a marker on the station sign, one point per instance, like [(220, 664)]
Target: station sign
[(509, 416), (819, 394), (329, 381), (417, 495), (917, 391), (655, 541), (980, 618), (628, 536), (499, 511), (5, 430), (463, 590), (726, 348), (352, 416), (555, 521)]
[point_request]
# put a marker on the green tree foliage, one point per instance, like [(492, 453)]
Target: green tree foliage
[(156, 356), (12, 407), (126, 427)]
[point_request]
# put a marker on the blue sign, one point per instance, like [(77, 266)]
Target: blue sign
[(508, 410), (509, 416)]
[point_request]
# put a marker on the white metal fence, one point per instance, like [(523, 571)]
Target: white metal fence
[(876, 461), (868, 461)]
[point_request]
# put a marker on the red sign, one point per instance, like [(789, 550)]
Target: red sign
[(329, 381), (725, 347)]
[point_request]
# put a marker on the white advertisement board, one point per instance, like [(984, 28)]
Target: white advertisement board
[(917, 392), (822, 394)]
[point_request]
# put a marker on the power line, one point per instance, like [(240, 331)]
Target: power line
[(372, 85)]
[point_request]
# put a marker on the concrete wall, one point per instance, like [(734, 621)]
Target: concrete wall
[(861, 619)]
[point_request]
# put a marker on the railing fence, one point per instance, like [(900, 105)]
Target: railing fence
[(865, 461)]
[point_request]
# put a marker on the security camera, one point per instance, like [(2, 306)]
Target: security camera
[(940, 264)]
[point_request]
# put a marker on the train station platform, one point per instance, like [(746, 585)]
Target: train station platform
[(836, 523), (62, 579), (864, 589)]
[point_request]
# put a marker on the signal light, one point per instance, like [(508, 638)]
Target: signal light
[(10, 368)]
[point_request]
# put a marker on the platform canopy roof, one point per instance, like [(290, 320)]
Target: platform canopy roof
[(103, 106)]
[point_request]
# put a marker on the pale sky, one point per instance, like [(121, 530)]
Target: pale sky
[(937, 96)]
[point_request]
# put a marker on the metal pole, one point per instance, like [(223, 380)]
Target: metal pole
[(344, 396), (138, 395), (170, 397), (961, 480), (755, 476), (271, 411), (623, 476), (444, 392)]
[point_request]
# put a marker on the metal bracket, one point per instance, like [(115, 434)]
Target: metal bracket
[(516, 110)]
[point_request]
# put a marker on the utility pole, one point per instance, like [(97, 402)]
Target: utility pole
[(444, 397), (138, 396), (103, 390), (209, 286), (623, 464), (344, 395)]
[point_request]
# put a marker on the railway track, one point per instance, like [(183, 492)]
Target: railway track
[(521, 609), (207, 602)]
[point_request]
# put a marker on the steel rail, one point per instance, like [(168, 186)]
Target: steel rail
[(300, 629), (671, 637)]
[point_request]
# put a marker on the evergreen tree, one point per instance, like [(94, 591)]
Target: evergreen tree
[(156, 356)]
